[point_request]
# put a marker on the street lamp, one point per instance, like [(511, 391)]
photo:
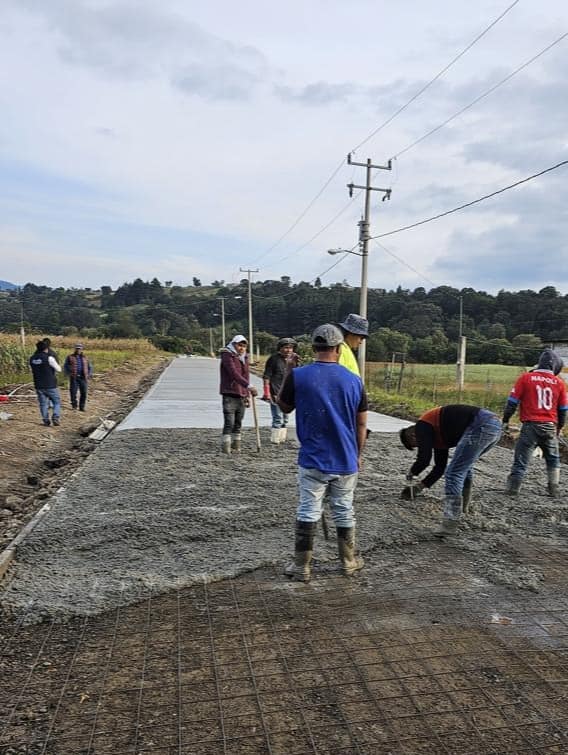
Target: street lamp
[(363, 297)]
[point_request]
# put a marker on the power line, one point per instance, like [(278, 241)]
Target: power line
[(470, 204), (314, 237), (436, 77), (302, 214), (481, 97), (383, 125)]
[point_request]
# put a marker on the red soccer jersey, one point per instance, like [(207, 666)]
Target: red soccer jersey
[(541, 394)]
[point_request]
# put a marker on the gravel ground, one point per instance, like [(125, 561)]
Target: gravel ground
[(152, 510)]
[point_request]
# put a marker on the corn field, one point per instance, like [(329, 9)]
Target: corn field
[(105, 353)]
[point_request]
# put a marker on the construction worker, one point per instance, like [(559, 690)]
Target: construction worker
[(544, 403), (272, 381), (79, 370), (472, 431), (44, 367), (331, 418), (235, 388), (355, 329)]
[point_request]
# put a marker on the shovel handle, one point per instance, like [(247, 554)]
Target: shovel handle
[(256, 427)]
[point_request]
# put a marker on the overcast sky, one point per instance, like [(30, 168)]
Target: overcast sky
[(176, 139)]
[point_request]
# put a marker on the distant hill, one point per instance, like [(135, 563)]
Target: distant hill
[(7, 286)]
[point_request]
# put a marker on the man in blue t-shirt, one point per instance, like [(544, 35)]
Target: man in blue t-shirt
[(331, 424)]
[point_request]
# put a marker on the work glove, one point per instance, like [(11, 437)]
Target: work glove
[(409, 477), (410, 492)]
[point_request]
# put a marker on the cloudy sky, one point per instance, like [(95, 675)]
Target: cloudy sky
[(179, 139)]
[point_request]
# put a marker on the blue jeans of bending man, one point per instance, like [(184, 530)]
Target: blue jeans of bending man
[(483, 433), (533, 435), (279, 419), (78, 384), (313, 486), (49, 397), (233, 413)]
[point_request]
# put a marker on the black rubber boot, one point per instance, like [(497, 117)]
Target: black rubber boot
[(346, 547), (553, 482), (453, 505), (466, 495), (448, 528), (300, 568), (513, 485)]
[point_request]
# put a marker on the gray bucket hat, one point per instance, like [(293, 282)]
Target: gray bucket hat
[(355, 324), (327, 335)]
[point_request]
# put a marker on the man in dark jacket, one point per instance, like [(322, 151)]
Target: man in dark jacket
[(44, 368), (235, 389), (472, 431), (272, 379), (79, 371), (543, 406)]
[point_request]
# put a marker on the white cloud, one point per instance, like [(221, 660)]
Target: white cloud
[(128, 124)]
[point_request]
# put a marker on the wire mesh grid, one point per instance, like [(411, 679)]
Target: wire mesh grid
[(398, 661)]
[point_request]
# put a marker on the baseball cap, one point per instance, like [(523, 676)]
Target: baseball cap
[(239, 339), (355, 324), (286, 342), (79, 346), (327, 335)]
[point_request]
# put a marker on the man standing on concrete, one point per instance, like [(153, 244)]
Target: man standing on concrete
[(472, 431), (44, 368), (544, 403), (331, 424), (235, 389), (272, 382), (355, 329), (79, 371)]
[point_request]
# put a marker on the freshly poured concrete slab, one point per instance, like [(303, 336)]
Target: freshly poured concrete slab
[(187, 395)]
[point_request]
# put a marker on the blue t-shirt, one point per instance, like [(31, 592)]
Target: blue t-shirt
[(327, 398)]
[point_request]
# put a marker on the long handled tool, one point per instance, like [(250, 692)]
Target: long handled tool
[(256, 427)]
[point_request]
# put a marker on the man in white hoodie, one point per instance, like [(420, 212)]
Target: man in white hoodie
[(235, 388)]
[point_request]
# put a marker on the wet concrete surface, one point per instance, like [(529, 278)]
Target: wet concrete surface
[(166, 626)]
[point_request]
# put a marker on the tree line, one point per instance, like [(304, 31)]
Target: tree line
[(424, 325)]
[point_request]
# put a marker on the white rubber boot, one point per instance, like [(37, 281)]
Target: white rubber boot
[(226, 444), (283, 435), (275, 435), (236, 443)]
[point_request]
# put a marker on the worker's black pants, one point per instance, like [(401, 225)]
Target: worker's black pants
[(233, 413)]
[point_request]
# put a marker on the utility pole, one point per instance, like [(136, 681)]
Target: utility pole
[(461, 354), (22, 328), (364, 233), (222, 300), (251, 352)]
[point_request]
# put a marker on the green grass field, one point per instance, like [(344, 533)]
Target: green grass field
[(424, 386)]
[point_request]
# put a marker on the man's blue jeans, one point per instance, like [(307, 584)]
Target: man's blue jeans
[(47, 397), (279, 419), (533, 435), (78, 383), (483, 433), (313, 485)]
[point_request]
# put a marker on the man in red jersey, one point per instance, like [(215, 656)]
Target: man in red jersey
[(544, 403)]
